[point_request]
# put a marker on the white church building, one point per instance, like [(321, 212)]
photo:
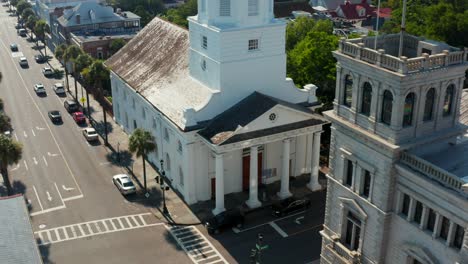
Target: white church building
[(397, 187), (218, 102)]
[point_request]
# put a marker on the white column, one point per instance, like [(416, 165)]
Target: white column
[(314, 185), (219, 184), (284, 191), (253, 201)]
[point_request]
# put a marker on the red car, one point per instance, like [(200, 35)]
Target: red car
[(79, 117)]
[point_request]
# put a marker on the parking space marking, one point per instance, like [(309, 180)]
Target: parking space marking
[(38, 200), (278, 229), (25, 164), (68, 235), (45, 161), (236, 230), (195, 245), (32, 130)]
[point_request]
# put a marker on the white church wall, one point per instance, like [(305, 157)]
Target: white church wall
[(204, 171), (233, 171), (283, 115)]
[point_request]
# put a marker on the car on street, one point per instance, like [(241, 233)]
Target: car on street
[(124, 184), (58, 88), (289, 205), (79, 117), (18, 26), (39, 58), (47, 71), (225, 220), (14, 47), (55, 116), (90, 134), (39, 88), (23, 62), (71, 106), (22, 32)]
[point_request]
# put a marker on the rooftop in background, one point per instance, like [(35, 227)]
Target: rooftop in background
[(418, 54), (17, 244), (286, 8), (99, 35)]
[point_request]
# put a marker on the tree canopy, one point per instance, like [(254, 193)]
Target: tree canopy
[(27, 13), (116, 45), (22, 5), (179, 15), (41, 28)]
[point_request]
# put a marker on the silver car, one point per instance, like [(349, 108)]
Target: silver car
[(39, 88), (58, 88), (124, 184)]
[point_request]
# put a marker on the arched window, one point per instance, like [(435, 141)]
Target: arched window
[(429, 105), (166, 134), (408, 110), (181, 176), (348, 91), (448, 100), (366, 99), (179, 146), (156, 155), (168, 162), (387, 106)]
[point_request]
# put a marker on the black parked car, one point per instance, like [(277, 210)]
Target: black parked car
[(40, 58), (71, 106), (55, 116), (224, 220), (290, 205)]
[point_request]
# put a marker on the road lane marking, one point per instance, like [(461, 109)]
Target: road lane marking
[(201, 243), (49, 197), (32, 130), (60, 195), (48, 210), (52, 155), (35, 160), (278, 229), (45, 161), (73, 198), (84, 234), (40, 128), (298, 220), (236, 230), (39, 200), (16, 137), (15, 168), (67, 189), (26, 164), (25, 135)]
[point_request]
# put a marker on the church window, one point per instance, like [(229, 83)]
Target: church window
[(408, 110), (366, 99), (156, 151), (203, 64), (459, 235), (253, 7), (349, 173), (387, 106), (405, 205), (143, 113), (348, 90), (168, 162), (204, 42), (353, 232), (253, 44), (448, 100), (366, 184), (418, 212), (181, 176), (166, 134), (429, 105), (154, 123), (431, 219), (224, 7), (444, 228), (179, 146)]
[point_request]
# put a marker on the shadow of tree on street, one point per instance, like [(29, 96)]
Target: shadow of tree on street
[(121, 158), (45, 251)]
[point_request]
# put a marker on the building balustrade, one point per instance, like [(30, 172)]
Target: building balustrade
[(430, 170), (341, 253)]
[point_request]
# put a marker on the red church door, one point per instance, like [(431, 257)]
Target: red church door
[(246, 171)]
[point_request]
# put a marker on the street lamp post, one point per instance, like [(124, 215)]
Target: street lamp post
[(118, 152), (163, 188)]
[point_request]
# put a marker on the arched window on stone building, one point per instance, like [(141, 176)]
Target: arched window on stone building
[(387, 106), (448, 100), (408, 109), (348, 90), (168, 162), (181, 177), (429, 105), (366, 99)]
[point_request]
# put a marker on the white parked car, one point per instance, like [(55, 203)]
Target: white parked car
[(23, 62), (90, 134), (39, 88), (47, 71), (58, 88), (124, 184)]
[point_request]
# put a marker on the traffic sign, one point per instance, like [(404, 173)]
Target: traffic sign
[(82, 99), (147, 195)]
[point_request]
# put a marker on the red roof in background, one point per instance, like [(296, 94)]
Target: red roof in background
[(384, 12), (350, 11)]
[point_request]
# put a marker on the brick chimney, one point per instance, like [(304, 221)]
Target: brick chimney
[(78, 18)]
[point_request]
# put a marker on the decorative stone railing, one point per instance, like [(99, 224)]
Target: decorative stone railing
[(357, 49), (344, 255), (430, 170)]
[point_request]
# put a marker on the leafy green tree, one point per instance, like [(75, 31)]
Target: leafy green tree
[(41, 29), (59, 54), (31, 23), (97, 74), (71, 53), (5, 122), (10, 153), (141, 142), (28, 12), (83, 61), (23, 5), (179, 15), (145, 16), (116, 45)]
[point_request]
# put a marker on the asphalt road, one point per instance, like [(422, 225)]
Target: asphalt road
[(66, 180)]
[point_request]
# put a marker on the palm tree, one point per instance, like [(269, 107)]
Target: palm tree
[(97, 74), (141, 142), (10, 153), (30, 23), (41, 28), (71, 53), (82, 62), (59, 54)]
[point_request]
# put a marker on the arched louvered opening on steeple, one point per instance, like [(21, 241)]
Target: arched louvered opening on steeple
[(387, 107), (429, 105), (408, 109), (348, 90), (448, 100), (366, 99)]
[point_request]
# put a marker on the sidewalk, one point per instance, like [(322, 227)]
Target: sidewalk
[(179, 212)]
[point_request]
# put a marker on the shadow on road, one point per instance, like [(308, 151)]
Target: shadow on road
[(171, 241), (122, 158), (45, 252)]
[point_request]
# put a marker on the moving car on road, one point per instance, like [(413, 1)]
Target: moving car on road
[(47, 71), (79, 117), (22, 32), (290, 205), (23, 62), (225, 220), (39, 88), (71, 106), (124, 184), (90, 134), (55, 116), (14, 47), (58, 88)]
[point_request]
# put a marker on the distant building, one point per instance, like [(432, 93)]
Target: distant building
[(397, 186), (173, 3), (17, 243), (92, 26), (292, 9), (50, 10), (333, 4)]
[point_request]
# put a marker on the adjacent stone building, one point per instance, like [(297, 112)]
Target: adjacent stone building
[(397, 186), (218, 102)]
